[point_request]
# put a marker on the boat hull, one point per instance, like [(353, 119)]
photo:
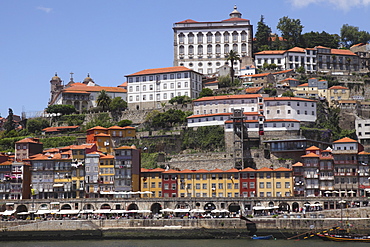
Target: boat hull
[(336, 238)]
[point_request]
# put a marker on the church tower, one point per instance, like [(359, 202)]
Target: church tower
[(55, 87)]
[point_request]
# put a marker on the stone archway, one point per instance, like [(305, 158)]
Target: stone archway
[(234, 208), (66, 207), (295, 207), (88, 207), (21, 208), (133, 206), (209, 206), (284, 207), (271, 204), (155, 208), (105, 206)]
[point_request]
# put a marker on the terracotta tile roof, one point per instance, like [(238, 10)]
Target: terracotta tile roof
[(290, 79), (288, 98), (253, 89), (298, 164), (256, 75), (129, 127), (322, 47), (345, 140), (161, 70), (347, 101), (211, 82), (29, 140), (310, 155), (283, 169), (86, 88), (359, 44), (6, 163), (71, 91), (312, 148), (170, 171), (232, 170), (97, 128), (201, 171), (225, 97), (127, 147), (123, 84), (115, 127), (297, 49), (102, 134), (270, 52), (216, 170), (363, 153), (283, 71), (264, 169), (187, 21), (235, 19), (185, 171), (303, 85), (53, 129), (338, 87), (248, 169), (106, 156), (342, 52), (51, 150)]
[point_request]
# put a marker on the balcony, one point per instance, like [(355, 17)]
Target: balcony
[(312, 176), (327, 178), (312, 186)]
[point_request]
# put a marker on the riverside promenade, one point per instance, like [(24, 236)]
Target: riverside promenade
[(279, 227)]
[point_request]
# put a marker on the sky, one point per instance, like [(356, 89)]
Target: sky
[(113, 38)]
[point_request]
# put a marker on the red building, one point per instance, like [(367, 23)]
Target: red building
[(248, 182), (169, 183)]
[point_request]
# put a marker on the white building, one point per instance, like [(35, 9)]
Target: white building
[(288, 59), (203, 46), (300, 109), (363, 130), (148, 88)]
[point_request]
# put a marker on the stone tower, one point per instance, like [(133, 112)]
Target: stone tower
[(55, 87)]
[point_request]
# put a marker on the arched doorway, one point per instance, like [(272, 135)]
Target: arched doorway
[(132, 206), (21, 208), (295, 207), (234, 208), (284, 207), (105, 206), (66, 207), (155, 208), (88, 207), (209, 206), (271, 204), (44, 207)]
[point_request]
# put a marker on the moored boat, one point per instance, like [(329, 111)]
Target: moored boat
[(262, 237), (344, 237)]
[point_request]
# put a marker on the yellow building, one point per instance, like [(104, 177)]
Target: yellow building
[(274, 183), (203, 183), (151, 180), (106, 173), (336, 93)]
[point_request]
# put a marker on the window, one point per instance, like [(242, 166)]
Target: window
[(268, 185), (278, 184), (287, 185), (262, 185), (220, 185)]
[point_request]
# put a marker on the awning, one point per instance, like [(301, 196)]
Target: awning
[(68, 212), (197, 211), (43, 211), (181, 210), (258, 208), (9, 204), (8, 212), (119, 211), (328, 192), (102, 211), (144, 211), (166, 210), (23, 213), (87, 211), (55, 203), (58, 185)]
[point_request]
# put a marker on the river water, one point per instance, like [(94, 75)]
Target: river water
[(180, 243)]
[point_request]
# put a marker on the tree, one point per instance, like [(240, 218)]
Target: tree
[(124, 123), (102, 119), (263, 34), (35, 125), (313, 39), (180, 100), (9, 125), (288, 93), (232, 57), (291, 30), (118, 104), (351, 35), (104, 100), (62, 109), (300, 70), (206, 92)]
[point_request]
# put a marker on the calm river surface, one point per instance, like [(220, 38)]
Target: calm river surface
[(180, 243)]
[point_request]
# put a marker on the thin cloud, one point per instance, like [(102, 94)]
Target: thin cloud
[(46, 10), (341, 4)]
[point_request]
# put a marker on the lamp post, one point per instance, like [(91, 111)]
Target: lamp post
[(341, 202)]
